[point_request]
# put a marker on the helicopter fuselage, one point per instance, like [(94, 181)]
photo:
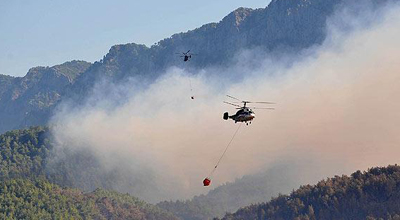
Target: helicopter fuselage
[(243, 115), (187, 57)]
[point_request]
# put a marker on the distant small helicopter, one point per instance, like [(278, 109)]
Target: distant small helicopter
[(186, 56), (245, 114)]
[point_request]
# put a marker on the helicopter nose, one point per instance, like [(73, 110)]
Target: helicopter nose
[(253, 115)]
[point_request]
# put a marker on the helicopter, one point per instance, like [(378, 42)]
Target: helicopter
[(245, 113), (186, 56)]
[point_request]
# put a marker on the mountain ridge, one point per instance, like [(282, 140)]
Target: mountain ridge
[(289, 26), (28, 100)]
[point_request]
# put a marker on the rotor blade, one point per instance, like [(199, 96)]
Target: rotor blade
[(234, 98), (232, 104), (188, 51), (262, 102), (262, 108)]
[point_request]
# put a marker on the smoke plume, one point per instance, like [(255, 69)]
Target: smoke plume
[(337, 110)]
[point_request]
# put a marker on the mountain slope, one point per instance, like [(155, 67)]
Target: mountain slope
[(24, 153), (293, 25), (29, 191), (364, 195), (28, 100), (39, 199), (288, 26), (29, 154), (32, 153), (5, 83), (230, 197)]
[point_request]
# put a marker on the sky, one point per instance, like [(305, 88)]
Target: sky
[(50, 32)]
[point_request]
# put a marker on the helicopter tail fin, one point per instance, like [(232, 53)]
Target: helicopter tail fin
[(226, 116)]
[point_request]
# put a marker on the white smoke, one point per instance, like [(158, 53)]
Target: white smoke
[(336, 107)]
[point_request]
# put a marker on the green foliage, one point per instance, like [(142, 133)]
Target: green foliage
[(365, 195), (39, 199), (23, 153), (26, 191), (23, 169), (30, 153)]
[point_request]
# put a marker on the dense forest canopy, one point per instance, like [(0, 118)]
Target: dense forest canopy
[(40, 199), (29, 189), (374, 194)]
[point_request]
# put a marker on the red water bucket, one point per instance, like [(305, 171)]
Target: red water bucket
[(206, 182)]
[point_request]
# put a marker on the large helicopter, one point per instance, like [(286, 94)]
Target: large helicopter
[(186, 56), (245, 113)]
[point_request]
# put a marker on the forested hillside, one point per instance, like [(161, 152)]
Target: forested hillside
[(29, 191), (23, 153), (30, 153), (39, 199), (25, 178), (374, 194)]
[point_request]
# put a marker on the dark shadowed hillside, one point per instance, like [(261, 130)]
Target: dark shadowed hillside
[(5, 83), (374, 194), (28, 100), (282, 26)]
